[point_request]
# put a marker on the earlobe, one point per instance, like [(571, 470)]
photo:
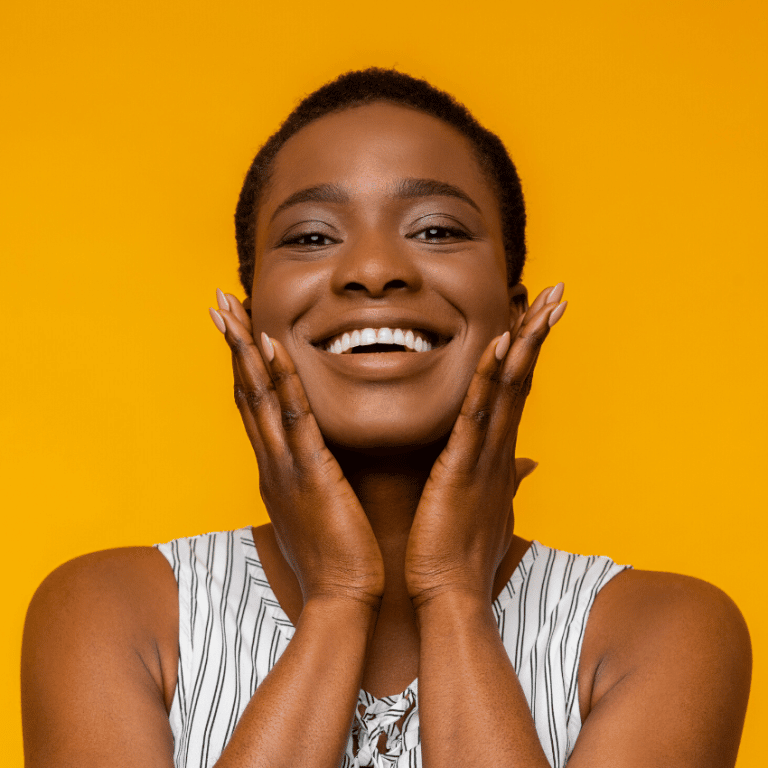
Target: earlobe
[(518, 300), (247, 305)]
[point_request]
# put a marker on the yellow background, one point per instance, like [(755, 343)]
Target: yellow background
[(639, 128)]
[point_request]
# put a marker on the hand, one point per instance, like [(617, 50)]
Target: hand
[(464, 522), (320, 526)]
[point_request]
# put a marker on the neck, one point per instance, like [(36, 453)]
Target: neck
[(389, 486)]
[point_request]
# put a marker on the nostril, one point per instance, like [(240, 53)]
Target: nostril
[(391, 285)]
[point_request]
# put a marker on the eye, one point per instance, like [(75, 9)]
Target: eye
[(438, 234), (308, 239)]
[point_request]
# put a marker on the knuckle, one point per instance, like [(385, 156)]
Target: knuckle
[(292, 418), (481, 418), (239, 345), (248, 397), (513, 385), (281, 377)]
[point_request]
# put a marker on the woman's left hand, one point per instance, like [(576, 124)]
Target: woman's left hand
[(464, 522)]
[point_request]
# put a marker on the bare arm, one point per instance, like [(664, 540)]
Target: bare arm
[(99, 673), (673, 677), (669, 686), (472, 709), (302, 713), (95, 687)]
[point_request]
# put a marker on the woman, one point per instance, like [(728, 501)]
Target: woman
[(387, 615)]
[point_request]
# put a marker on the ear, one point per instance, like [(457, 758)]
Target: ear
[(247, 305), (523, 468), (518, 301)]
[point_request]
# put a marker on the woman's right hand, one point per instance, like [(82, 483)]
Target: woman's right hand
[(320, 526)]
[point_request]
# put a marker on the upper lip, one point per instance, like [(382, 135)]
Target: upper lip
[(437, 332)]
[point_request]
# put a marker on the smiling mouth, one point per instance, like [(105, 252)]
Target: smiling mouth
[(381, 340)]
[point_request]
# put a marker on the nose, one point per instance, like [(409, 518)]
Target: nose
[(376, 265)]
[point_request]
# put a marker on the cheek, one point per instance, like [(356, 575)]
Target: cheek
[(282, 294), (477, 287)]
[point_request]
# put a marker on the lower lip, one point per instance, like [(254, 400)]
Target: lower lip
[(375, 366)]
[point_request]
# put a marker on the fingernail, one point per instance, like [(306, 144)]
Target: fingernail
[(218, 320), (556, 293), (502, 345), (557, 313), (266, 345), (222, 299)]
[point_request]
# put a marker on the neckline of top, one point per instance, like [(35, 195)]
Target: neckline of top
[(286, 626)]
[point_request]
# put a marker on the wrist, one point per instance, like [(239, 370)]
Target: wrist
[(453, 605), (343, 607)]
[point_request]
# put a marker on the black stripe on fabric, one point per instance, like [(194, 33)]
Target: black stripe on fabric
[(550, 679), (524, 587), (237, 705), (221, 673), (200, 676), (258, 629), (542, 619), (541, 616)]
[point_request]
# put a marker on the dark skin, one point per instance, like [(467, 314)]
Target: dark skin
[(389, 480)]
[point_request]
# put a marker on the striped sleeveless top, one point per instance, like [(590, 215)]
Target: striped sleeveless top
[(232, 631)]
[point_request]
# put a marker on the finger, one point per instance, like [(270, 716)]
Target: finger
[(254, 390), (230, 302), (471, 427), (549, 295), (302, 434), (517, 374), (249, 421)]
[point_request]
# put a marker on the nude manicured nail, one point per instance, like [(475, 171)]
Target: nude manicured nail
[(557, 313), (502, 345), (266, 345), (222, 299), (556, 293), (218, 320)]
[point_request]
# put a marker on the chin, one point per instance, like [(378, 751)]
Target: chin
[(385, 436)]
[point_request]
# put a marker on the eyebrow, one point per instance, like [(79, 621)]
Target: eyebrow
[(406, 189)]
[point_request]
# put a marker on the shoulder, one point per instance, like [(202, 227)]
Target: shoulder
[(651, 605), (99, 660), (684, 631), (113, 580), (104, 602)]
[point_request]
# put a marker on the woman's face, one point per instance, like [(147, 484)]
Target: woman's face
[(378, 217)]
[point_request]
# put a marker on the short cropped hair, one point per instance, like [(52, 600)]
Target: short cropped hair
[(354, 89)]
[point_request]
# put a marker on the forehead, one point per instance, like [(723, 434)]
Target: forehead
[(367, 149)]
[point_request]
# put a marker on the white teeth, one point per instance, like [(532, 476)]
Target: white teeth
[(368, 336)]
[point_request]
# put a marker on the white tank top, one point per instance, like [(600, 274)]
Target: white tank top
[(232, 631)]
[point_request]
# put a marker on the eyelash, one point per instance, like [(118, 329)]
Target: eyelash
[(458, 234), (296, 238)]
